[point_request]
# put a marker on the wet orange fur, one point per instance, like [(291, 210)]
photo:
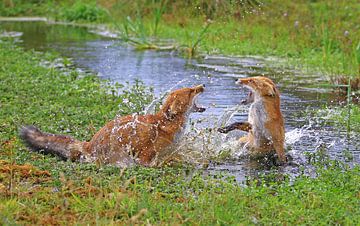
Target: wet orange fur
[(267, 131), (140, 137)]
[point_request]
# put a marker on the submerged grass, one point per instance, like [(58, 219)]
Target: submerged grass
[(37, 189)]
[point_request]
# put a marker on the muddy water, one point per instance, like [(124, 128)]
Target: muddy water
[(118, 62)]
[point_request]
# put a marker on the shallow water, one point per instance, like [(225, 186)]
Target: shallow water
[(166, 70)]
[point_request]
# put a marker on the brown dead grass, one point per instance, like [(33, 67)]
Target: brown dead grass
[(344, 80), (23, 171), (12, 174)]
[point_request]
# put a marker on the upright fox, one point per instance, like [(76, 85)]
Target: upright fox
[(127, 139), (265, 124)]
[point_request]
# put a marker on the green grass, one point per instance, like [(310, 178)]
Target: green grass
[(83, 12), (26, 8), (314, 36), (71, 11), (50, 191)]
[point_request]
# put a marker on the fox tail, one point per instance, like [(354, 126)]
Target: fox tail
[(62, 146)]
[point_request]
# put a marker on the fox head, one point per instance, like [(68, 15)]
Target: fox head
[(182, 101), (260, 86)]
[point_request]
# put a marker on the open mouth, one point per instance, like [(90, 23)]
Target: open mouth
[(251, 95), (199, 109), (249, 98), (195, 105)]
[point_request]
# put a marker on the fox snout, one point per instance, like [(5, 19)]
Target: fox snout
[(243, 81), (199, 88)]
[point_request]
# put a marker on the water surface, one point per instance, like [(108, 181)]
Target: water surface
[(164, 70)]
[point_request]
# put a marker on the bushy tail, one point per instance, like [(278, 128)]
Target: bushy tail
[(65, 147)]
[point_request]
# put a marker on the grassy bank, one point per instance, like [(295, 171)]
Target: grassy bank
[(313, 35), (36, 189)]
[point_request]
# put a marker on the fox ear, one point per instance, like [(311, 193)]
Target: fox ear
[(272, 91)]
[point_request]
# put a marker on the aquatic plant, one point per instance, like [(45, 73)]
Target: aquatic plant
[(135, 33), (191, 49), (143, 36), (138, 34), (158, 13)]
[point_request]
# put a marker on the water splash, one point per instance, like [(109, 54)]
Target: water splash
[(229, 113), (200, 145), (151, 108), (295, 135)]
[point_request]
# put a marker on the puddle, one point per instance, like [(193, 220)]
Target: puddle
[(165, 70)]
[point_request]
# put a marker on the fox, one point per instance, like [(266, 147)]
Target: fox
[(125, 140), (265, 125)]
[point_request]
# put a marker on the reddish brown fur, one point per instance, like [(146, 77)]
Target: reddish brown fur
[(120, 140), (267, 124)]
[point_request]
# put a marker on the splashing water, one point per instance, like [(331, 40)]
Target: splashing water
[(199, 145), (151, 108), (229, 113), (201, 141), (295, 135)]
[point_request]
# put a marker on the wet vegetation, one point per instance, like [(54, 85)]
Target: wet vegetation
[(41, 89), (312, 35), (39, 189), (342, 116)]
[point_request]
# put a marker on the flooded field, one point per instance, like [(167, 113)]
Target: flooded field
[(166, 70)]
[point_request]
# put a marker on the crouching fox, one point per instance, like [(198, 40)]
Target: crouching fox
[(127, 139)]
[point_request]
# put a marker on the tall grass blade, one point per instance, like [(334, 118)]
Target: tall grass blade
[(158, 12), (201, 35)]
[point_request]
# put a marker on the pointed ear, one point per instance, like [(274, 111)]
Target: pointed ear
[(272, 91)]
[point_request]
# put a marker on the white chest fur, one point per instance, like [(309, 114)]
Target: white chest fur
[(257, 118)]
